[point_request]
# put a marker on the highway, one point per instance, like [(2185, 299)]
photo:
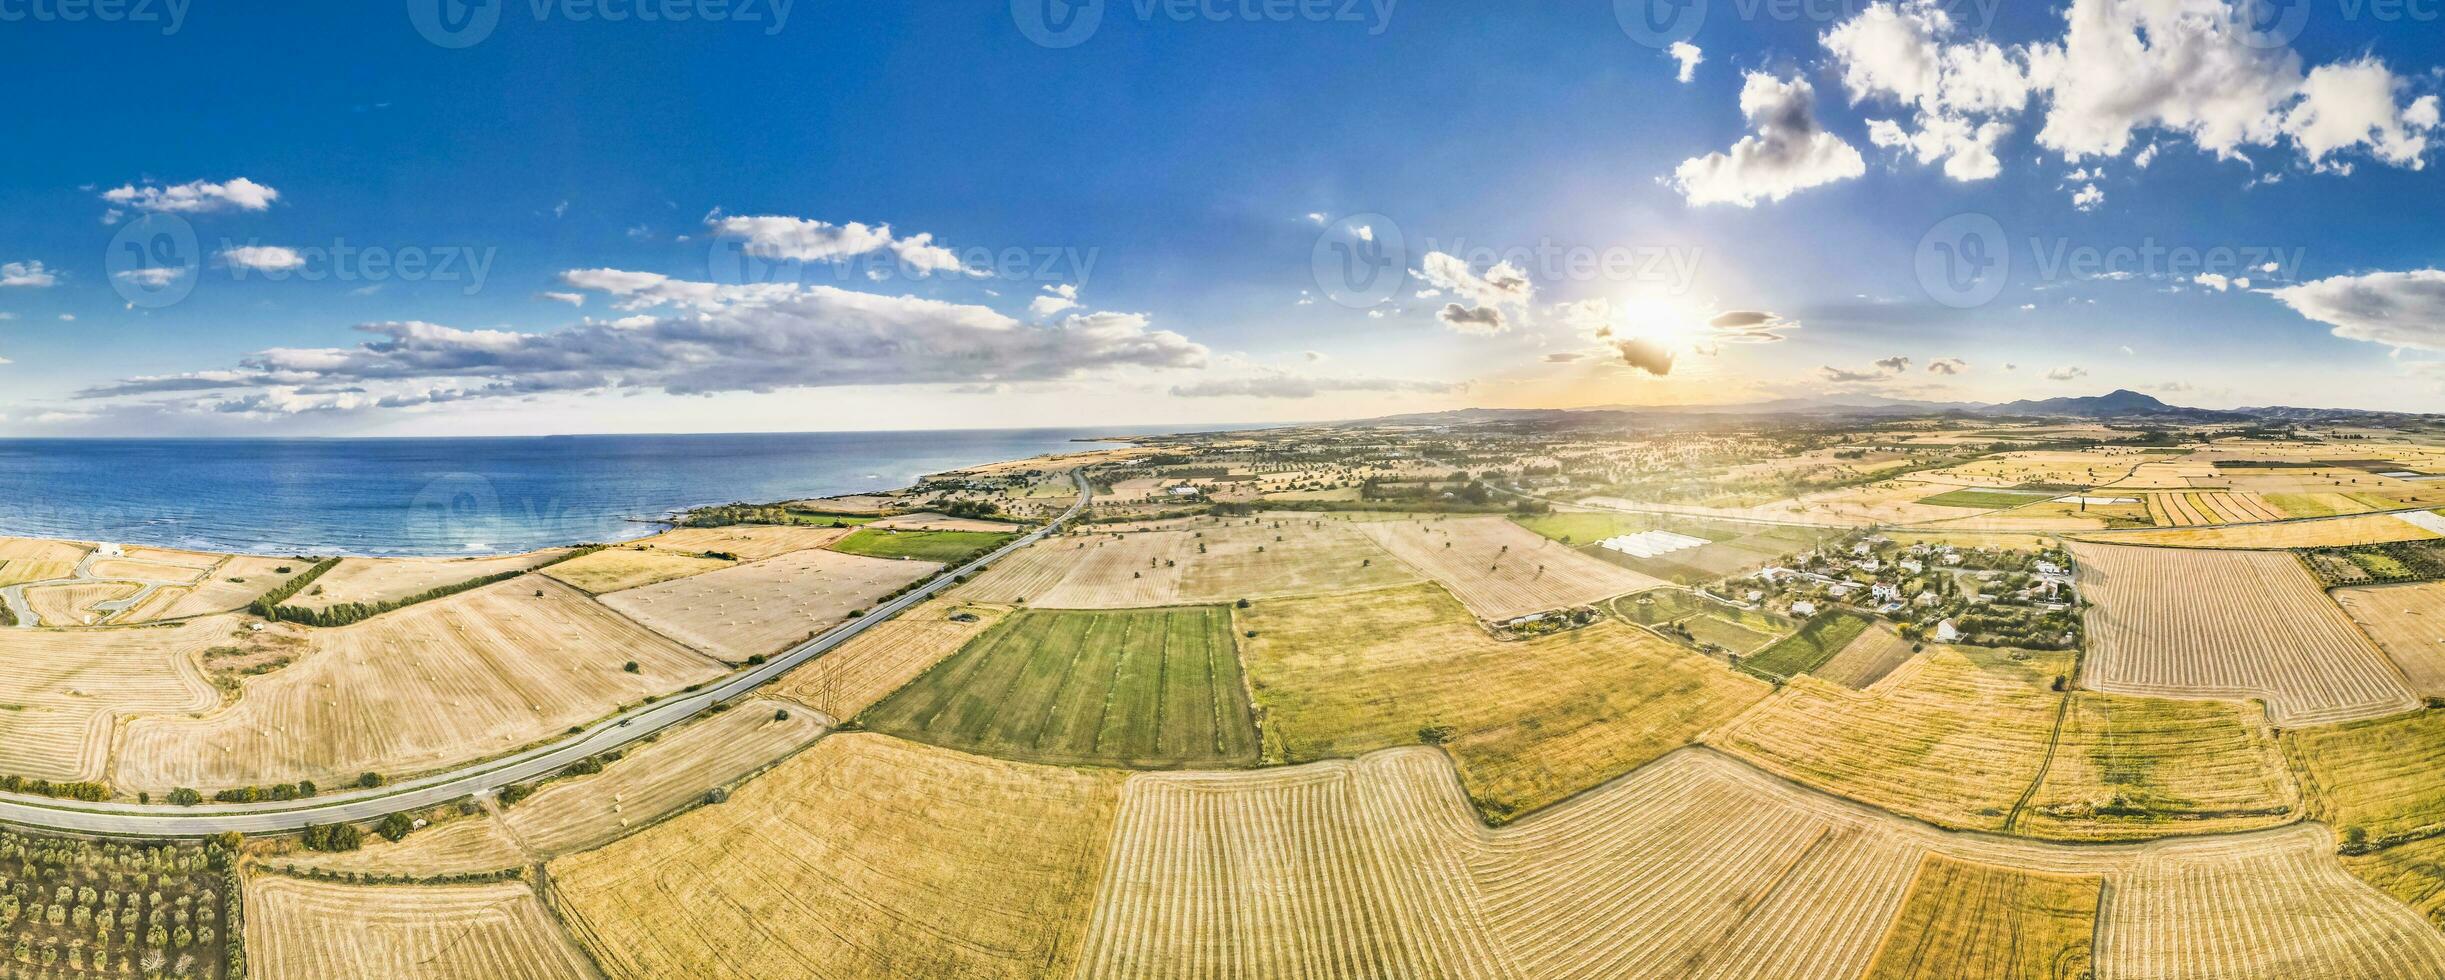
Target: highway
[(164, 820)]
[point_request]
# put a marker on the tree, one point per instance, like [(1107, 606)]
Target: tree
[(395, 827), (183, 796), (369, 780)]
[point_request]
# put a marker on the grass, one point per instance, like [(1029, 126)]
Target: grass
[(2413, 872), (2127, 767), (1985, 499), (2378, 775), (1741, 631), (946, 547), (1817, 642), (1148, 688), (1963, 919), (1528, 722)]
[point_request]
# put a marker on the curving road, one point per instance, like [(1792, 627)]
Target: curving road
[(161, 820)]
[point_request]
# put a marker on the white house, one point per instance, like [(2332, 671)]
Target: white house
[(1946, 633), (1803, 608)]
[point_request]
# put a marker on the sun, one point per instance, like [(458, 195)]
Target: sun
[(1663, 318)]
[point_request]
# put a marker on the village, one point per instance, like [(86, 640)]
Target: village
[(1947, 594)]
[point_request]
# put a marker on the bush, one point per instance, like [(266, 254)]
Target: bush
[(630, 666), (183, 796), (334, 837), (1437, 734), (369, 780), (395, 827)]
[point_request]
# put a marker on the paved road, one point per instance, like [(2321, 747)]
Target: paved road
[(159, 820)]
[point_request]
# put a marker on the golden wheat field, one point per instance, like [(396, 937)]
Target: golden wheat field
[(441, 682), (863, 856), (67, 690), (319, 930), (764, 607), (749, 542), (78, 604), (2379, 775), (459, 845), (1201, 560), (1876, 652), (657, 778), (1694, 866), (158, 572), (2323, 533), (2209, 507), (2203, 624), (1965, 919), (2408, 623), (1501, 570), (2128, 767), (231, 585), (25, 560), (884, 658), (2413, 872), (930, 521), (629, 567), (378, 580), (1530, 721)]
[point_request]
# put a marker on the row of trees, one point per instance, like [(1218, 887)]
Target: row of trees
[(345, 613)]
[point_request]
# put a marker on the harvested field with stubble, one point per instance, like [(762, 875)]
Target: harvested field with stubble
[(1964, 919), (1961, 737), (765, 607), (66, 690), (862, 856), (1501, 570), (1203, 560), (442, 682), (1876, 652), (2380, 775), (630, 567), (1142, 688), (1694, 866), (1529, 721), (460, 845), (237, 581), (77, 604), (2230, 625), (373, 581), (25, 560), (655, 779), (2329, 533), (750, 542), (2408, 623), (884, 658), (318, 930)]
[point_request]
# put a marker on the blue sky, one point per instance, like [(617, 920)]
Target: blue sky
[(1128, 229)]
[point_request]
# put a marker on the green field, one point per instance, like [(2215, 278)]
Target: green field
[(1144, 688), (1741, 631), (1987, 499), (947, 547), (1816, 642)]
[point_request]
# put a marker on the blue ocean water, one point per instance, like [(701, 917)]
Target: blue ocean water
[(449, 496)]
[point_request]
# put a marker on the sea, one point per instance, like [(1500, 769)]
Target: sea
[(452, 496)]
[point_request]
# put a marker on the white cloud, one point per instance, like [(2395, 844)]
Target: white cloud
[(194, 197), (2219, 282), (1280, 384), (2397, 309), (807, 240), (1893, 365), (27, 275), (152, 277), (2066, 374), (1316, 217), (2352, 104), (709, 338), (1056, 298), (2087, 198), (1786, 151), (573, 299), (1947, 365), (263, 258), (1899, 53), (1689, 58), (1483, 297)]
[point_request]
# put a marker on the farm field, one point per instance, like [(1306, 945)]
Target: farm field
[(158, 572), (2413, 872), (1501, 570), (1143, 688), (2207, 507), (1814, 644), (79, 604), (1954, 738), (930, 521), (1242, 558), (378, 580), (1529, 722), (315, 930), (750, 542), (1964, 919), (658, 778), (1987, 498), (1695, 865), (1732, 628), (2328, 533), (946, 547), (884, 658), (231, 585), (862, 856), (2408, 623), (1732, 548), (2085, 468), (764, 607), (1876, 652), (2233, 625), (453, 845), (2130, 767), (629, 567), (2378, 775), (68, 690), (25, 560), (442, 682)]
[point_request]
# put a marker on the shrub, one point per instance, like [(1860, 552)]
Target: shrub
[(395, 827), (183, 796), (370, 780)]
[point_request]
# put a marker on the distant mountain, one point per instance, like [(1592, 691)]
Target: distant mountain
[(2121, 403)]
